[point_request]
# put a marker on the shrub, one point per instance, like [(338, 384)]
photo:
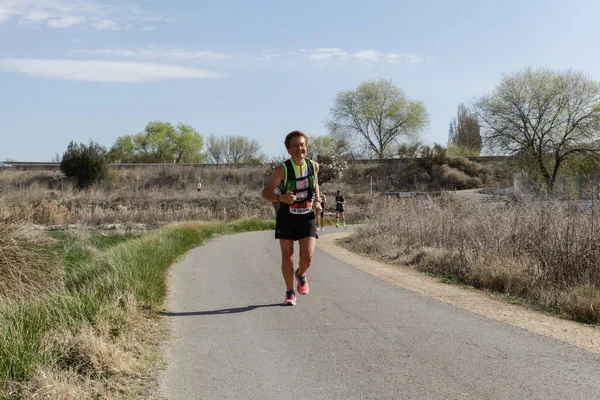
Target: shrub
[(331, 168), (86, 164), (467, 166)]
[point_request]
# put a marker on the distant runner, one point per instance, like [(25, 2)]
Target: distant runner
[(339, 209), (322, 216), (295, 216)]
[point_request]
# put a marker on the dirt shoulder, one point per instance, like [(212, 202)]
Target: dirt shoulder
[(576, 334)]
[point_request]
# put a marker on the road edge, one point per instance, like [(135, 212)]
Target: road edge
[(478, 302)]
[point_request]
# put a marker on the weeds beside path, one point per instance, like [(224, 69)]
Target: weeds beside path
[(546, 254), (88, 336)]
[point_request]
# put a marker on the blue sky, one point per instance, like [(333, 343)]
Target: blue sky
[(81, 70)]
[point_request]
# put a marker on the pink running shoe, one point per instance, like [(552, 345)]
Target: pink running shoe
[(290, 298), (302, 283)]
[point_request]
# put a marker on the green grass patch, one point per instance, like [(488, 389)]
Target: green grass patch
[(95, 288), (451, 279), (76, 248), (69, 248), (106, 240)]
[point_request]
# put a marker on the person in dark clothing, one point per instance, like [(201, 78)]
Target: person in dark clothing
[(340, 202)]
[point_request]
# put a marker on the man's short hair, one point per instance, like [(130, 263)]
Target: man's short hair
[(288, 138)]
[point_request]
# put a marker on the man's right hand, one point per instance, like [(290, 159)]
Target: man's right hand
[(287, 198)]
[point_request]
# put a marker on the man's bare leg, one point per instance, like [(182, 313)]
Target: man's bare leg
[(287, 262), (307, 251)]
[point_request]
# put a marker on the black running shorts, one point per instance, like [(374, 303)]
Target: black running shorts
[(295, 230), (339, 208)]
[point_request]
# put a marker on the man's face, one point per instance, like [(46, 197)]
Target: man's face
[(297, 146)]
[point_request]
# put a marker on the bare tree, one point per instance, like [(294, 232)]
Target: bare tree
[(241, 149), (544, 116), (216, 149), (379, 114), (232, 149), (464, 135)]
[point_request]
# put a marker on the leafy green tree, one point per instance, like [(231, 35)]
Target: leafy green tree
[(378, 114), (464, 135), (187, 145), (160, 142), (542, 116), (326, 146), (587, 163), (122, 150), (86, 164)]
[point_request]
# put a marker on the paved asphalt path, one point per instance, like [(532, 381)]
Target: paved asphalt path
[(353, 336)]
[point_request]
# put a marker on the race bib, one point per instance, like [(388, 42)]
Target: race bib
[(302, 207)]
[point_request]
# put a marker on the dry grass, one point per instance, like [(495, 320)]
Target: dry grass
[(25, 269), (547, 253), (109, 356), (95, 334), (99, 365), (151, 196), (157, 195)]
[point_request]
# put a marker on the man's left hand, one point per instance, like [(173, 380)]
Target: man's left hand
[(318, 207)]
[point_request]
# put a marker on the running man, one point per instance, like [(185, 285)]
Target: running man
[(298, 178), (339, 209), (323, 200)]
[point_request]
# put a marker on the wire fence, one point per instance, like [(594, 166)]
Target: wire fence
[(578, 187)]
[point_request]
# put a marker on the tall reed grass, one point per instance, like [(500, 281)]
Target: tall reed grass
[(547, 253)]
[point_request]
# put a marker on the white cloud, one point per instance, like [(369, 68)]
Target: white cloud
[(157, 52), (36, 15), (105, 24), (263, 57), (102, 71), (366, 55), (154, 18), (106, 14), (324, 53), (66, 22), (146, 29), (409, 58), (4, 15), (267, 55)]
